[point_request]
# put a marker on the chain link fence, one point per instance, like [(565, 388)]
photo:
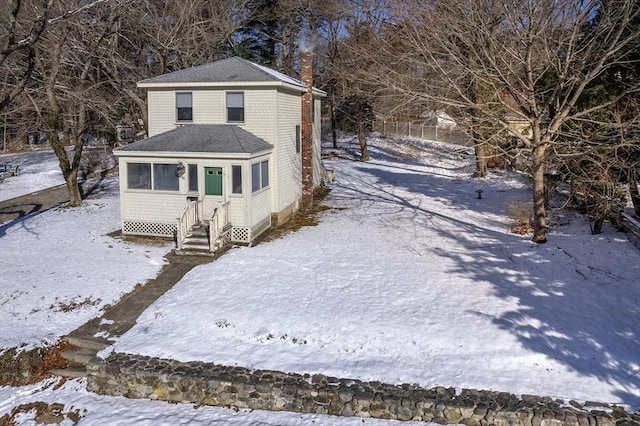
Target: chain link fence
[(422, 131)]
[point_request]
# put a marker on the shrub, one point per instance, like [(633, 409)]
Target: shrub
[(520, 217)]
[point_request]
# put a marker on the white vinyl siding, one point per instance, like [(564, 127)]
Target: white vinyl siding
[(260, 206), (161, 108), (260, 114), (209, 107), (151, 206), (288, 175), (318, 167)]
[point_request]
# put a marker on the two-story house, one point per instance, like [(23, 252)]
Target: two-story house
[(226, 143)]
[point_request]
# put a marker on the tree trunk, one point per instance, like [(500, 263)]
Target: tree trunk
[(362, 139), (634, 193), (75, 194), (332, 109), (539, 210), (75, 197), (481, 160)]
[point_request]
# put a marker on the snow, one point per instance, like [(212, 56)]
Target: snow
[(412, 279), (117, 411), (37, 170), (60, 268), (409, 277)]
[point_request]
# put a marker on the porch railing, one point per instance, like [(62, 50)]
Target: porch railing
[(219, 225), (190, 216)]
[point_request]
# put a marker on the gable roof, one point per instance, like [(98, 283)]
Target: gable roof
[(234, 70), (201, 138)]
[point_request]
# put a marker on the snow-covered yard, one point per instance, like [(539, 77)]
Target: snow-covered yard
[(411, 278), (37, 170), (408, 278)]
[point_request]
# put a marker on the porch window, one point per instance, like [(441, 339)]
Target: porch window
[(184, 106), (259, 175), (236, 179), (235, 107), (193, 177), (138, 175), (165, 177)]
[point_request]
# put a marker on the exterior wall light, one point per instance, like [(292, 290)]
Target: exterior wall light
[(180, 170)]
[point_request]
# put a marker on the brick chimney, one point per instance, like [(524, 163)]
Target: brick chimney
[(306, 74)]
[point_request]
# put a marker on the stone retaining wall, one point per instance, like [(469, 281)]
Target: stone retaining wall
[(135, 376)]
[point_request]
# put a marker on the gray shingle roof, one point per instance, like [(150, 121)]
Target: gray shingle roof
[(230, 70), (213, 138)]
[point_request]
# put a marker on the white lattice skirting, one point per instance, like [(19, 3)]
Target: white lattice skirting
[(260, 227), (149, 228), (238, 234), (246, 235)]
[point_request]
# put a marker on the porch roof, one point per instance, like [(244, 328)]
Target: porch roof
[(202, 138)]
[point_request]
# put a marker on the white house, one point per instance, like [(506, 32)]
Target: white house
[(225, 147)]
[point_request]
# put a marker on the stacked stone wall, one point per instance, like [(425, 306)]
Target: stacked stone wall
[(135, 376)]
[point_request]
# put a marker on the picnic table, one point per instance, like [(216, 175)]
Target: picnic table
[(7, 170)]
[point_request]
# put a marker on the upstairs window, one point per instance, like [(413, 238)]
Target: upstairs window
[(235, 107), (184, 106)]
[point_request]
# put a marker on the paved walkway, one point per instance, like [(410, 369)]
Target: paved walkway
[(15, 208), (117, 320)]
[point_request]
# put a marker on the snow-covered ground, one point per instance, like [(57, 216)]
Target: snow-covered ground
[(409, 278), (38, 170), (98, 410), (413, 279)]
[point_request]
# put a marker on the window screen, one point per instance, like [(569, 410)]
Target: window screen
[(165, 177), (138, 175), (193, 177), (184, 103), (236, 179), (235, 107)]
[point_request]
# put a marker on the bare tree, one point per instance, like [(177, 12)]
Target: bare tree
[(154, 37), (354, 62), (19, 33), (530, 60), (73, 94)]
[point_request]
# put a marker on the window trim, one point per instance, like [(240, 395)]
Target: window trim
[(261, 172), (229, 108), (152, 178), (178, 119), (234, 184), (192, 178)]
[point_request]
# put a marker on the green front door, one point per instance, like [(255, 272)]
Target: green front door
[(213, 180)]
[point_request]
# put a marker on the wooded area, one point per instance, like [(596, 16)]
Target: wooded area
[(545, 86)]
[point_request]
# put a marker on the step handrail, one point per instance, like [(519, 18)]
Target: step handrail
[(189, 217), (218, 226)]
